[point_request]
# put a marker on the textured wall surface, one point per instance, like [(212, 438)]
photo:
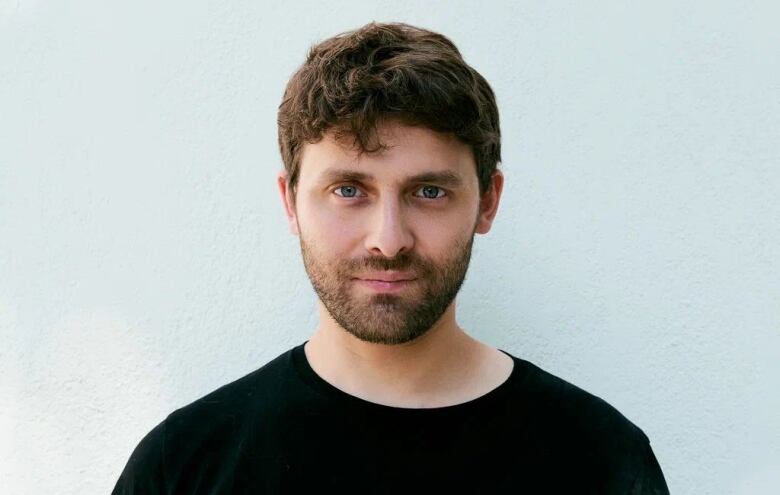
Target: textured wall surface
[(144, 258)]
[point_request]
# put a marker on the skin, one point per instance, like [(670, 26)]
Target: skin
[(350, 226)]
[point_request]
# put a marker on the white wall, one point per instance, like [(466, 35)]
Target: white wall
[(144, 259)]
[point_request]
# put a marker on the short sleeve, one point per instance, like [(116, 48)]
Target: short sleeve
[(651, 479), (144, 472)]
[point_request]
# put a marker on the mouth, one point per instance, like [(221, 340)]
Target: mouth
[(387, 276), (385, 284)]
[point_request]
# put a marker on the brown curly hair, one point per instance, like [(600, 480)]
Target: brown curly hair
[(354, 81)]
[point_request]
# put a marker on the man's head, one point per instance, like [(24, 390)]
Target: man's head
[(351, 82), (390, 144)]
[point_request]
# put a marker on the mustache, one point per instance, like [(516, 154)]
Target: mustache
[(403, 261)]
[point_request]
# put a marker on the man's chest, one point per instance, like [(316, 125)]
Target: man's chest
[(370, 456)]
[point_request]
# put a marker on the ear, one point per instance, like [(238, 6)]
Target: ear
[(488, 203), (282, 182)]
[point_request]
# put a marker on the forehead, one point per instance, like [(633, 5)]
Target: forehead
[(411, 151)]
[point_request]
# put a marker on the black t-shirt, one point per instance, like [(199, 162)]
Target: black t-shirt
[(283, 429)]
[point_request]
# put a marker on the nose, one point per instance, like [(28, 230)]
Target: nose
[(389, 233)]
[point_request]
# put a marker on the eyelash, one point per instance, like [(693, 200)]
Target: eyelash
[(441, 190)]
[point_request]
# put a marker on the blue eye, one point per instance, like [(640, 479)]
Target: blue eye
[(432, 192), (347, 191)]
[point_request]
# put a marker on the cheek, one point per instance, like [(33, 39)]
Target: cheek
[(332, 230), (439, 245), (443, 230)]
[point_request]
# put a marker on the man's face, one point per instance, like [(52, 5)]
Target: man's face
[(386, 237)]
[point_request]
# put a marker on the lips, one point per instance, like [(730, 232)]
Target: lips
[(388, 276), (388, 282)]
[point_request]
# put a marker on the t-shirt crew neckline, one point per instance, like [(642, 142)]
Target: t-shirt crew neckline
[(331, 392)]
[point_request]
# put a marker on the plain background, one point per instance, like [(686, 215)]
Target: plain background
[(145, 261)]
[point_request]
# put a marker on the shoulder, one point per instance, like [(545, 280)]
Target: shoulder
[(584, 430), (560, 401), (209, 424), (221, 419), (143, 472), (241, 397)]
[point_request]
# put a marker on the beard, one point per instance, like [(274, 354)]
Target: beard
[(389, 319)]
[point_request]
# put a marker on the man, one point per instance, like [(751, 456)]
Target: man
[(390, 143)]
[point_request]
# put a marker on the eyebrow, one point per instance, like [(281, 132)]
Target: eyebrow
[(446, 178)]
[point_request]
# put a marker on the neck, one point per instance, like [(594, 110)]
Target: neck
[(442, 367)]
